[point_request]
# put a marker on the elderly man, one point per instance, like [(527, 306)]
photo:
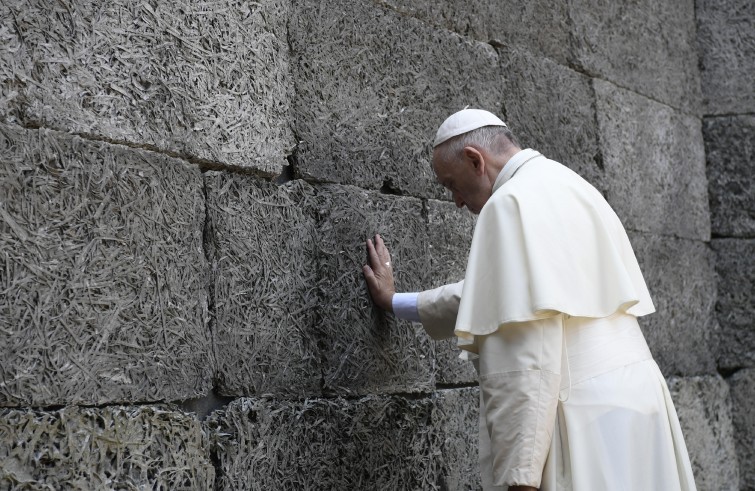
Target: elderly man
[(571, 398)]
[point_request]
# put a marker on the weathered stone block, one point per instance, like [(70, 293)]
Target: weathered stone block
[(655, 164), (264, 275), (742, 390), (735, 309), (644, 45), (373, 443), (205, 80), (103, 273), (456, 416), (682, 333), (730, 152), (702, 404), (449, 236), (539, 26), (552, 109), (365, 350), (726, 43), (372, 87), (126, 447)]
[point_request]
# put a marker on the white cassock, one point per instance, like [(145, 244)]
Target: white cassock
[(571, 398)]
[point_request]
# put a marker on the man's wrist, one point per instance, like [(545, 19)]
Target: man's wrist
[(404, 306)]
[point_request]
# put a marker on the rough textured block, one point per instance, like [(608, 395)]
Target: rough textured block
[(539, 26), (682, 333), (552, 109), (103, 448), (726, 43), (366, 350), (456, 416), (655, 164), (702, 404), (103, 273), (372, 87), (449, 235), (374, 443), (735, 309), (644, 45), (205, 80), (264, 276), (742, 389), (730, 152), (371, 443)]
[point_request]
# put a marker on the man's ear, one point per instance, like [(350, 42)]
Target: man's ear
[(476, 158)]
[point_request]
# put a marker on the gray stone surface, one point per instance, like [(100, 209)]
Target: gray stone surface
[(542, 27), (702, 404), (682, 333), (261, 243), (735, 309), (372, 86), (742, 391), (365, 350), (449, 237), (730, 154), (103, 273), (552, 109), (371, 443), (205, 80), (655, 164), (644, 45), (117, 447), (456, 414), (726, 46)]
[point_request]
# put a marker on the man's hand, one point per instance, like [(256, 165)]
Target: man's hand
[(379, 274)]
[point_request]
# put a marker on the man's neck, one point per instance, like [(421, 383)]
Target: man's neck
[(495, 167)]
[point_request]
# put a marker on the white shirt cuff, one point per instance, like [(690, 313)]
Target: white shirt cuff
[(405, 306)]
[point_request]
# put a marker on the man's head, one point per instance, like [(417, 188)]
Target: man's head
[(471, 148)]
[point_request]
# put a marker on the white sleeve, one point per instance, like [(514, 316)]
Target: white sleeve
[(438, 308), (405, 306)]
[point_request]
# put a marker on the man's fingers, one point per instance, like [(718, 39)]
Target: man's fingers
[(381, 249), (372, 253), (368, 273)]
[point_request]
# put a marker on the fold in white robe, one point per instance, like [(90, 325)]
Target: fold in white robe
[(549, 303)]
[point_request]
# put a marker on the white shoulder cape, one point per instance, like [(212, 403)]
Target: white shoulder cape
[(546, 242)]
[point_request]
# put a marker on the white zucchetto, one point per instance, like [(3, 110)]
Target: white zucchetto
[(465, 121)]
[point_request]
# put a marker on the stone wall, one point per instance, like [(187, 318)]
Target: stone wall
[(726, 44), (187, 188)]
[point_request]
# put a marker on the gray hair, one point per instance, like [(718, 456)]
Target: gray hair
[(493, 138)]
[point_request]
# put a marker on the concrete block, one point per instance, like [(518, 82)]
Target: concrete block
[(449, 235), (372, 87), (489, 22), (372, 443), (209, 81), (551, 108), (456, 414), (103, 271), (742, 391), (646, 46), (117, 447), (682, 333), (735, 308), (365, 350), (261, 244), (655, 164), (730, 153), (726, 43), (702, 404)]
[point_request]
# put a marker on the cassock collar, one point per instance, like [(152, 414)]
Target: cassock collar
[(519, 159)]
